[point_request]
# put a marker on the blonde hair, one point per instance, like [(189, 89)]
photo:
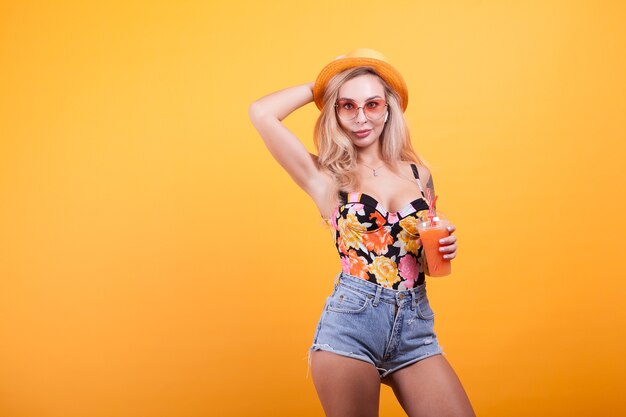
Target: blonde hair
[(337, 155)]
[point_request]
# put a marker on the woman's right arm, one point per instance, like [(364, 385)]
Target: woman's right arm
[(266, 114)]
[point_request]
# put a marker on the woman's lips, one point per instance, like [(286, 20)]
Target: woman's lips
[(362, 133)]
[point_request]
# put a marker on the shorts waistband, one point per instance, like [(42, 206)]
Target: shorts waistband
[(384, 294)]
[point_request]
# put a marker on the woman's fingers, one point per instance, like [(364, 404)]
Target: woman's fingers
[(448, 251), (448, 244), (447, 240)]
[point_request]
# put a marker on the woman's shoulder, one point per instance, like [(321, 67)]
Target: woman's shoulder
[(422, 170)]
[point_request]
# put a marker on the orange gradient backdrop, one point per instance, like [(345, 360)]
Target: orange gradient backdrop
[(155, 261)]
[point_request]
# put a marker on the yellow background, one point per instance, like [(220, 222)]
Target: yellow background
[(156, 261)]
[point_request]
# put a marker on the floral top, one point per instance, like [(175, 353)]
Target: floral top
[(377, 245)]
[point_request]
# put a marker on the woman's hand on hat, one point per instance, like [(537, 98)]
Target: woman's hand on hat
[(340, 56), (448, 244)]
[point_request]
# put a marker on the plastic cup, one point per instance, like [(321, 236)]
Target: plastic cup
[(430, 232)]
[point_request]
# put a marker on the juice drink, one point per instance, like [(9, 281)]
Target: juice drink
[(430, 233)]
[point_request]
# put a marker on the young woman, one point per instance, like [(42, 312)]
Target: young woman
[(368, 183)]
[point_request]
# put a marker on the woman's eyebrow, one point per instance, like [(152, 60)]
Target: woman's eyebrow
[(367, 99)]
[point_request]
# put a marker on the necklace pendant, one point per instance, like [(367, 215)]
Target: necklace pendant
[(375, 173)]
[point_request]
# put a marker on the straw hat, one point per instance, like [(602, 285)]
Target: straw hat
[(361, 57)]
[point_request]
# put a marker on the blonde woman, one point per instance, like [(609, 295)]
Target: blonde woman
[(369, 185)]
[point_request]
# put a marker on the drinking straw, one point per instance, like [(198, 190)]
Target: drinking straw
[(431, 206)]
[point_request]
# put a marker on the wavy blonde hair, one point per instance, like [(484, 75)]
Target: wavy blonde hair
[(336, 154)]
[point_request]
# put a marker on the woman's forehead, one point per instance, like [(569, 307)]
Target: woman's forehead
[(362, 87)]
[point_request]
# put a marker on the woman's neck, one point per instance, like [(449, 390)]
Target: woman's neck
[(370, 156)]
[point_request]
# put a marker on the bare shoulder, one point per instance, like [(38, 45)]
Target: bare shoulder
[(427, 179), (420, 168), (424, 172)]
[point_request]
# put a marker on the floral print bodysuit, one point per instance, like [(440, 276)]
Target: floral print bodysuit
[(376, 245)]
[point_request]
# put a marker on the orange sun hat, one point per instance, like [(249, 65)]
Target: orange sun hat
[(361, 57)]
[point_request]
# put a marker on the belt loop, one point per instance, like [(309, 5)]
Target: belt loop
[(413, 299), (337, 280), (379, 290)]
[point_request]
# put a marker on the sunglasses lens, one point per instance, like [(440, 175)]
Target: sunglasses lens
[(347, 109), (374, 109)]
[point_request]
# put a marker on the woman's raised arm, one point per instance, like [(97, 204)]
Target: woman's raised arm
[(266, 114)]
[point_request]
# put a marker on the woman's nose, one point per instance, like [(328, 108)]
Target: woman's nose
[(360, 115)]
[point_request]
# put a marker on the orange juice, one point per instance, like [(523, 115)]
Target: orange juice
[(437, 265)]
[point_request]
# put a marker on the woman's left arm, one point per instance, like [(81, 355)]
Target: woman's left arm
[(448, 244)]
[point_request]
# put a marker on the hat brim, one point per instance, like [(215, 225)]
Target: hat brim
[(382, 68)]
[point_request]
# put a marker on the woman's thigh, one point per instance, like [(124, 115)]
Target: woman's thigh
[(345, 386), (430, 387)]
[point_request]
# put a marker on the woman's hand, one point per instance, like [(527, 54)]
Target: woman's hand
[(448, 244)]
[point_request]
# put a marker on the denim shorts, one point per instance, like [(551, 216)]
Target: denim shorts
[(388, 328)]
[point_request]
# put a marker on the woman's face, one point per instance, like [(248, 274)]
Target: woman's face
[(362, 131)]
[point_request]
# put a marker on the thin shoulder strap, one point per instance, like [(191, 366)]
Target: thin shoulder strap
[(417, 177), (343, 197)]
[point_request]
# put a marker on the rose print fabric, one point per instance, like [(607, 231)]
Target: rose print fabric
[(377, 245)]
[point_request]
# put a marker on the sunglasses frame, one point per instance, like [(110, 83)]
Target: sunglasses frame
[(356, 114)]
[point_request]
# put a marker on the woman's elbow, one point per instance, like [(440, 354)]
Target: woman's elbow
[(255, 111)]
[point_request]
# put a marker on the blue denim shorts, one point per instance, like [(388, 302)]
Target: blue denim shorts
[(388, 328)]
